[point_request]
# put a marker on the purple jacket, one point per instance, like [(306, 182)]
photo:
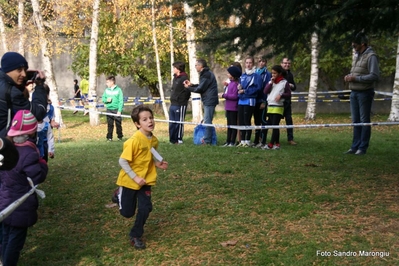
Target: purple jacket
[(231, 96), (14, 185)]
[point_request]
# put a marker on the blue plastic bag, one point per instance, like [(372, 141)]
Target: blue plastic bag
[(199, 133)]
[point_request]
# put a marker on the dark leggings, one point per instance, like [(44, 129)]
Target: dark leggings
[(274, 120), (231, 117), (244, 119)]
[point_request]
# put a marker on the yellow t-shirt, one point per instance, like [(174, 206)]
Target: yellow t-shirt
[(137, 151), (84, 86)]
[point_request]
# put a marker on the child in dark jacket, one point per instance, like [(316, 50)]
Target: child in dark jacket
[(178, 103), (14, 185)]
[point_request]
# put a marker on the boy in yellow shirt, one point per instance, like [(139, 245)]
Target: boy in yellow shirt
[(138, 172)]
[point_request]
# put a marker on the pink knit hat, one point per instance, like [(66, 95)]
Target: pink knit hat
[(23, 123)]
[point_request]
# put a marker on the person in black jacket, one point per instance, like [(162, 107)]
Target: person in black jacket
[(208, 89), (13, 75), (286, 64), (178, 103)]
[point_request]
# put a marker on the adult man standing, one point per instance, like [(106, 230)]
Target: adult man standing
[(13, 74), (286, 64), (113, 100), (208, 89), (364, 74)]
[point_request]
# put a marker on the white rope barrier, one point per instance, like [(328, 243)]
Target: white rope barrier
[(253, 127), (296, 97), (7, 211)]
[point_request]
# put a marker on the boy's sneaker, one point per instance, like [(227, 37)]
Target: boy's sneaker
[(137, 243), (115, 198), (231, 145), (225, 145), (276, 146)]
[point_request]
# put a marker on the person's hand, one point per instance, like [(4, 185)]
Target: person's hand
[(291, 85), (278, 97), (187, 83), (220, 94), (140, 181), (118, 113), (162, 165), (239, 89), (54, 124), (349, 78), (262, 106), (51, 155)]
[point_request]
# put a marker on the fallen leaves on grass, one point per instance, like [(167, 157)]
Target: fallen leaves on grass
[(111, 205), (229, 243)]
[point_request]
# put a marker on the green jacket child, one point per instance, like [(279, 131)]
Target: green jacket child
[(113, 100)]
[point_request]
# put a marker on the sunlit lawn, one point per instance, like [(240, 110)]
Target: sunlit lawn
[(222, 205)]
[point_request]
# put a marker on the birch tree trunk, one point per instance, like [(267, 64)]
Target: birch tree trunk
[(394, 114), (21, 44), (314, 77), (237, 56), (3, 32), (172, 48), (47, 63), (192, 50), (154, 36), (94, 116)]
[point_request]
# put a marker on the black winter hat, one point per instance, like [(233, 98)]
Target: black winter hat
[(234, 71), (360, 38), (11, 61)]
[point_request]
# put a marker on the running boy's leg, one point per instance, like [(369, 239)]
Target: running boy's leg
[(127, 201), (143, 211)]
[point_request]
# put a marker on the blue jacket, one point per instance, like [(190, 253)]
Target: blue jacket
[(251, 84), (265, 75), (14, 184), (208, 88)]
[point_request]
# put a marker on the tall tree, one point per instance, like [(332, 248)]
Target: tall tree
[(160, 83), (46, 58), (172, 56), (3, 31), (192, 57), (21, 17), (94, 116), (394, 114), (125, 45), (314, 76)]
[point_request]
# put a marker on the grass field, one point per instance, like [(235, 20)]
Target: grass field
[(301, 205)]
